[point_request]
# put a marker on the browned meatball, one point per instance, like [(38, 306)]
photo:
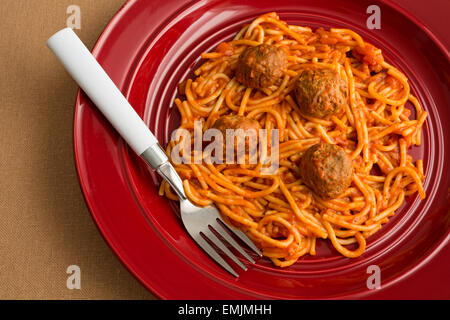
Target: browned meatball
[(259, 67), (326, 169), (238, 122), (320, 92)]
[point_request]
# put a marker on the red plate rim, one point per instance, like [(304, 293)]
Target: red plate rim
[(97, 49)]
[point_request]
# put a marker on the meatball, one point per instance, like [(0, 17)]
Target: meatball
[(239, 122), (320, 92), (259, 67), (326, 169)]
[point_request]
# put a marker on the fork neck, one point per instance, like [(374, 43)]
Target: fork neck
[(158, 160)]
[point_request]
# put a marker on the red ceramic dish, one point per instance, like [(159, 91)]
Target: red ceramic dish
[(147, 49)]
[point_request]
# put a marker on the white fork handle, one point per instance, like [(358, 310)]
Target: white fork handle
[(94, 81)]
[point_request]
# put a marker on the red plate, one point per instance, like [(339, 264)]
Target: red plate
[(148, 48)]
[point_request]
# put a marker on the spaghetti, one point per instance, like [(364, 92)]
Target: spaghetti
[(278, 212)]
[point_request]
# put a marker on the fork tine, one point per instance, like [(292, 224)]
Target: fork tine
[(211, 236), (241, 235), (213, 254), (221, 230)]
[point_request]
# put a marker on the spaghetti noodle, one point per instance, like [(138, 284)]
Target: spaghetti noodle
[(278, 212)]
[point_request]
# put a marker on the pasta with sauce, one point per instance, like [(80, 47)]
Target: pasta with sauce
[(318, 88)]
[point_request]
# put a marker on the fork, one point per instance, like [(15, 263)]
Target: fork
[(203, 224)]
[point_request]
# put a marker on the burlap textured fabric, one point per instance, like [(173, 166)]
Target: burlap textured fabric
[(45, 225)]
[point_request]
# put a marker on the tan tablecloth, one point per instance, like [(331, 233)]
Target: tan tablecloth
[(45, 225)]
